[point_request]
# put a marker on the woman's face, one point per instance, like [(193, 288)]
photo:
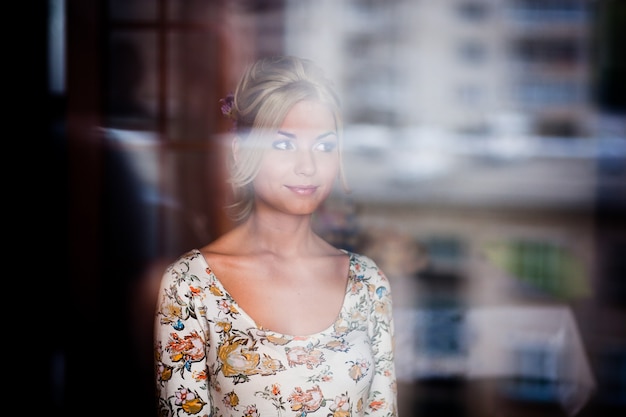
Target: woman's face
[(299, 169)]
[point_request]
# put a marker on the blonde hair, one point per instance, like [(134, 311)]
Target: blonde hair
[(266, 92)]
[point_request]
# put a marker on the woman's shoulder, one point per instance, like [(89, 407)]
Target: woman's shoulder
[(187, 261), (364, 269), (363, 264), (361, 259)]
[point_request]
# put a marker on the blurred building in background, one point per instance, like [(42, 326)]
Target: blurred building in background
[(481, 143), (478, 67), (485, 146)]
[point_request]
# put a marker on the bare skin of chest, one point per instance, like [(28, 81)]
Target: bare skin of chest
[(298, 297)]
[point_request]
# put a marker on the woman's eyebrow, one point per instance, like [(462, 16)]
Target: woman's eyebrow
[(323, 135), (289, 135), (293, 136)]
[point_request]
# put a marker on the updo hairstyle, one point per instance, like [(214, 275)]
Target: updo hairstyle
[(266, 92)]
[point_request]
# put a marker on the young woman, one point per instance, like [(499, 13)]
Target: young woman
[(270, 319)]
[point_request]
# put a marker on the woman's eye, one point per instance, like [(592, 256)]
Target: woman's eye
[(283, 145), (326, 146)]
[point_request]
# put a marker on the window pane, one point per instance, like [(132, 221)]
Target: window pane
[(192, 11), (192, 78), (133, 9), (132, 93)]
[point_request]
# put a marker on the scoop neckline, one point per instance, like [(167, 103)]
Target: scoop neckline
[(252, 321)]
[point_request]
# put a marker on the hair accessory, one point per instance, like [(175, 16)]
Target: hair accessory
[(228, 103)]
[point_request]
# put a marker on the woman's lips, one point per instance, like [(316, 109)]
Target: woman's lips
[(302, 189)]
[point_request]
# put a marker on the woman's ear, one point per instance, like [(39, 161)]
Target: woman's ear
[(234, 147)]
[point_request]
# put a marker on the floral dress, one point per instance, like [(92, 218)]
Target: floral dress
[(213, 360)]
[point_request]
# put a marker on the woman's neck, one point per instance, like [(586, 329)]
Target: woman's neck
[(280, 234)]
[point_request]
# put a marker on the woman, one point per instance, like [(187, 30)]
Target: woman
[(270, 319)]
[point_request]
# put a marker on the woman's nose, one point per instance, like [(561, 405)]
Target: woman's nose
[(305, 162)]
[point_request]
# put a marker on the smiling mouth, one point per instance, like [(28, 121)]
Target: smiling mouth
[(303, 189)]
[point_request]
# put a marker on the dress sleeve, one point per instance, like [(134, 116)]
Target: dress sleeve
[(180, 342), (383, 393)]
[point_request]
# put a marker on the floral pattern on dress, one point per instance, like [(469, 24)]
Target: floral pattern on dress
[(211, 359)]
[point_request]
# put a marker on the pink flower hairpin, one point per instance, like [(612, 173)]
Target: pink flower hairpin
[(227, 105)]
